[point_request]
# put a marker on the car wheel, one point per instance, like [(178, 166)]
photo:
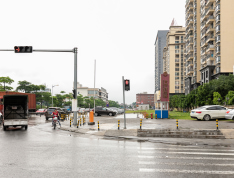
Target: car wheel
[(26, 127), (110, 114), (96, 114), (206, 117), (47, 118), (233, 118)]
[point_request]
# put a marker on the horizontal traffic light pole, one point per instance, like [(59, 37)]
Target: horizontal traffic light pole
[(44, 50)]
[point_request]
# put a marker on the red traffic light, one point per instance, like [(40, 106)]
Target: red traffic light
[(127, 85), (126, 82), (23, 49)]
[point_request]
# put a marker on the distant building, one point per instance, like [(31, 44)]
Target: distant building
[(91, 92), (144, 98), (159, 44)]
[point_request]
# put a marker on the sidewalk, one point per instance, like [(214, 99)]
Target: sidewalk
[(108, 128)]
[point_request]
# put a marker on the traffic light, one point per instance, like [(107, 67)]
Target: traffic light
[(127, 85), (23, 49), (74, 93)]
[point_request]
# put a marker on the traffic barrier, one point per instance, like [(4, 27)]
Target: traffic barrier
[(140, 123), (177, 123), (217, 124), (118, 124), (80, 121), (70, 122), (78, 124), (98, 126), (156, 117)]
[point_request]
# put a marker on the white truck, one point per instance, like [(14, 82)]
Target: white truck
[(15, 111)]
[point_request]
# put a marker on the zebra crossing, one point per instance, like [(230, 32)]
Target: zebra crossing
[(186, 161)]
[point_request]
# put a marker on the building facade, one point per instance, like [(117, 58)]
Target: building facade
[(144, 98), (173, 56), (192, 45), (91, 92), (159, 44), (216, 40)]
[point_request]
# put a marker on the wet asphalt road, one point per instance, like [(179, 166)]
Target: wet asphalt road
[(42, 151)]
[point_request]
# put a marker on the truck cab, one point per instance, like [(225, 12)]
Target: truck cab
[(15, 111)]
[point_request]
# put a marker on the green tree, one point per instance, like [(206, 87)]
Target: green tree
[(24, 86), (4, 81), (217, 98)]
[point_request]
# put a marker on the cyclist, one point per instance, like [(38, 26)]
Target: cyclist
[(55, 114)]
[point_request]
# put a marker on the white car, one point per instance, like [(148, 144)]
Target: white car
[(208, 112), (229, 114)]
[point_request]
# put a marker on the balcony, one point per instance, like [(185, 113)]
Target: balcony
[(217, 29), (210, 10), (190, 57), (210, 47), (209, 38), (177, 60), (188, 2), (217, 9), (190, 49), (190, 15), (217, 39), (210, 20), (209, 29), (209, 2), (204, 43), (190, 23), (210, 56), (217, 60)]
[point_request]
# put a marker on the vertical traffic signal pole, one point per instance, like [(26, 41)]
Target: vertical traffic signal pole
[(75, 86), (124, 101)]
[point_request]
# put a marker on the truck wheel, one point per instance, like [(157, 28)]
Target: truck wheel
[(26, 127), (96, 114)]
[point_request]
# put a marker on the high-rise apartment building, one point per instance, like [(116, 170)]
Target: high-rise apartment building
[(173, 56), (216, 40), (192, 45), (159, 44)]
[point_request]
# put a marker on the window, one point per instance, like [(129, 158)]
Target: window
[(177, 38), (177, 46)]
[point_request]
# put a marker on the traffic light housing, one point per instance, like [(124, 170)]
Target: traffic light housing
[(74, 93), (127, 85), (23, 49)]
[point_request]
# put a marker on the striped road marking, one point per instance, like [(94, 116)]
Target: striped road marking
[(188, 149), (185, 171), (188, 153), (182, 164), (179, 157)]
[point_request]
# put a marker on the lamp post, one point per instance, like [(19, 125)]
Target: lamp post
[(52, 93), (218, 99)]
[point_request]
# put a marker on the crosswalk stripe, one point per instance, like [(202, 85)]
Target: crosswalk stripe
[(184, 149), (179, 157), (182, 164), (188, 153), (185, 171)]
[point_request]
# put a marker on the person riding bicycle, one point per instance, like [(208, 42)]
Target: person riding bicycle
[(55, 114)]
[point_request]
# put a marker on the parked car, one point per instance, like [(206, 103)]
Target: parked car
[(229, 114), (208, 112), (40, 111), (50, 110), (81, 110), (104, 111)]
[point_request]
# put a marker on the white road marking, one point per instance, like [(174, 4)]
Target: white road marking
[(183, 164), (179, 157), (185, 171), (145, 148), (188, 153)]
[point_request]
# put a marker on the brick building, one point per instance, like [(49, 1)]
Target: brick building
[(144, 98)]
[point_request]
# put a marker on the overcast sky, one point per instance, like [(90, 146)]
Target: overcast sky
[(119, 34)]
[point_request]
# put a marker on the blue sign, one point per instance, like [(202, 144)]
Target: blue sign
[(107, 105)]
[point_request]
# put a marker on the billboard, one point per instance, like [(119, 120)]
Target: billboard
[(165, 86)]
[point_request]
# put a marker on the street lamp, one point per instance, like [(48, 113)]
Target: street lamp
[(52, 93), (227, 100)]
